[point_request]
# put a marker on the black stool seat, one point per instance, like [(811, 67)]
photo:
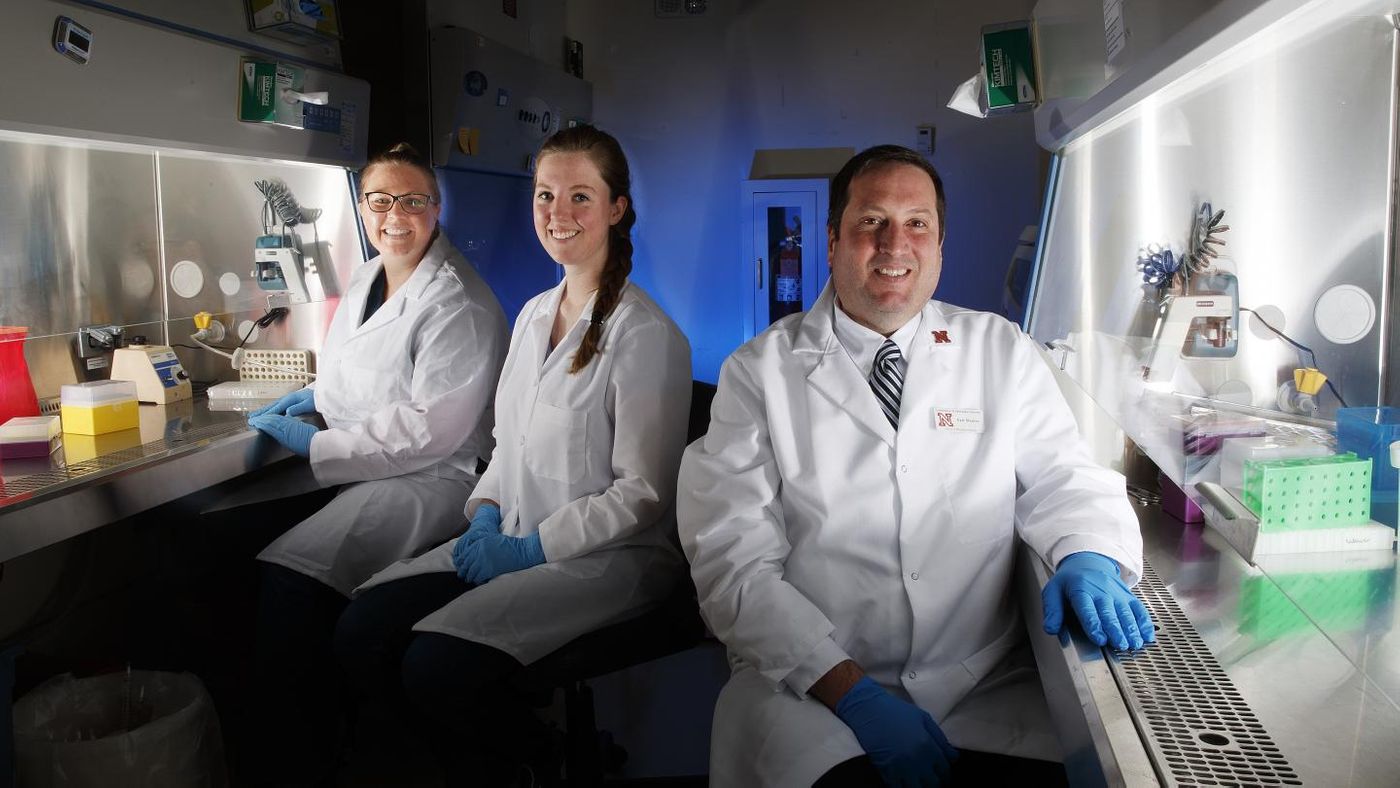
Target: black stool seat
[(672, 627)]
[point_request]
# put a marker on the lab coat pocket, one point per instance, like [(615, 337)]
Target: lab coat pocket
[(984, 661), (369, 383), (554, 446)]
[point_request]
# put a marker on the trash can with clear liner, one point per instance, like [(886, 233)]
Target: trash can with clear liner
[(136, 728)]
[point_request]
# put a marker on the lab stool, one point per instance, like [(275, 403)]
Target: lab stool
[(670, 628)]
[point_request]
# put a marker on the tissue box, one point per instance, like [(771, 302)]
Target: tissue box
[(295, 21)]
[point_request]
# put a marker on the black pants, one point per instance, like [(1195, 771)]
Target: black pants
[(269, 662), (453, 693), (970, 769), (298, 692)]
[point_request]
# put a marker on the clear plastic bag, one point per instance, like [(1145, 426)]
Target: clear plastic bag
[(138, 728)]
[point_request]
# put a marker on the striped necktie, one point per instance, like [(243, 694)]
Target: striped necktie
[(887, 381)]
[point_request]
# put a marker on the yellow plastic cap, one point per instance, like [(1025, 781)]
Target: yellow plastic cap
[(201, 320), (1309, 380)]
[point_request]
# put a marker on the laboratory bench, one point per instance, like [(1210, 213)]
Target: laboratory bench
[(91, 481), (1286, 672), (1283, 672)]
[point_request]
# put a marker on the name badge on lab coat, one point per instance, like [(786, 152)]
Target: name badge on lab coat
[(959, 419)]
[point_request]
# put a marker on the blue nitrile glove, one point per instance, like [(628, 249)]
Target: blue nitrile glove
[(295, 434), (902, 740), (494, 555), (298, 403), (1106, 608), (486, 521)]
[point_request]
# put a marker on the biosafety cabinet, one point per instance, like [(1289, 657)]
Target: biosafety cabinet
[(1218, 239), (130, 193), (1222, 214), (783, 265)]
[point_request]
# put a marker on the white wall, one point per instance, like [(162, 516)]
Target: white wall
[(692, 98)]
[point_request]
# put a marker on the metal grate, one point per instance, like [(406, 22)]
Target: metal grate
[(22, 486), (1197, 727)]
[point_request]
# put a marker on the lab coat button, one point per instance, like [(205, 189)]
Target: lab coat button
[(904, 469), (913, 675), (913, 575)]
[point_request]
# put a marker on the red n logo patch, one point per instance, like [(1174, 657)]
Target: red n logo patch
[(941, 338)]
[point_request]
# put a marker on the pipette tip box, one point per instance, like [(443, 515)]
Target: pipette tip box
[(29, 436), (1309, 492), (99, 407)]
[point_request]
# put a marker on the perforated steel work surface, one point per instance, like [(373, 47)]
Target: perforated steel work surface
[(16, 488), (1198, 729)]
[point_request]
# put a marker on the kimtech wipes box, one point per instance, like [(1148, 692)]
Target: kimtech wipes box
[(1008, 67), (257, 91)]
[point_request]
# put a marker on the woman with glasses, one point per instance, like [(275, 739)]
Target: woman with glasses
[(571, 526), (406, 377)]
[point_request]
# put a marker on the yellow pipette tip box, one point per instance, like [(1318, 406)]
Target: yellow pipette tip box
[(99, 407)]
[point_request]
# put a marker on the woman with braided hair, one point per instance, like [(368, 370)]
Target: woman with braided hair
[(572, 526)]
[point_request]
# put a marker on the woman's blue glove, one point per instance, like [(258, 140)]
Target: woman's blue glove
[(1106, 608), (298, 403), (494, 555), (295, 434), (902, 740), (486, 521)]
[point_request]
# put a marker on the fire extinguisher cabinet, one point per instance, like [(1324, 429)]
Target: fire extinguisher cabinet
[(784, 266)]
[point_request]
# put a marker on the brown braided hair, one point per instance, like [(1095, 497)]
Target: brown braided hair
[(606, 154), (403, 153)]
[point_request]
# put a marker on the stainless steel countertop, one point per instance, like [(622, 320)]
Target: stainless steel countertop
[(93, 481), (1308, 640)]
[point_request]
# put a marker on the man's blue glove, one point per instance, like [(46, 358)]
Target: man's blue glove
[(1107, 610), (494, 555), (298, 403), (486, 521), (902, 740), (295, 434)]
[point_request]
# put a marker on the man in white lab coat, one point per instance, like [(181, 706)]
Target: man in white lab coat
[(851, 519)]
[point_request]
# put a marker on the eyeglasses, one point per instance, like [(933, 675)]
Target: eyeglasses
[(382, 202)]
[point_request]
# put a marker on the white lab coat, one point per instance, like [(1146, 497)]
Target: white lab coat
[(407, 401), (589, 460), (816, 533)]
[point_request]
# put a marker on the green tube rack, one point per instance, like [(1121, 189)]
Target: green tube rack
[(1309, 492)]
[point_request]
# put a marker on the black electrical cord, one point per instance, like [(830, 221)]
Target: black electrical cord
[(268, 318), (1301, 347), (248, 333)]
